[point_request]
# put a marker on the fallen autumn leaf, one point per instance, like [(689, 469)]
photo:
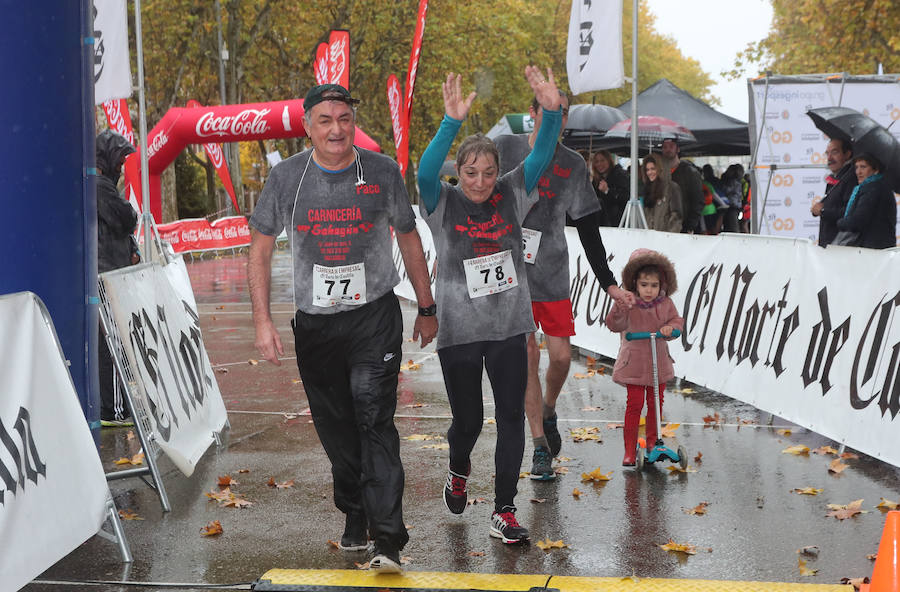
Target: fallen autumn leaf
[(596, 475), (798, 450), (807, 491), (698, 510), (129, 515), (836, 466), (887, 505), (212, 529), (547, 545), (672, 546), (848, 511)]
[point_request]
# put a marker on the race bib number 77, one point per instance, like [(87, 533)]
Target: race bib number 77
[(339, 285), (490, 274)]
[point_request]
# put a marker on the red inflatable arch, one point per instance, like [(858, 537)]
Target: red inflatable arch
[(221, 124)]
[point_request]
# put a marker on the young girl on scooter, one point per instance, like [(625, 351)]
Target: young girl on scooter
[(651, 277)]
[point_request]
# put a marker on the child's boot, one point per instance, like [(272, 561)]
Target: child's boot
[(630, 435)]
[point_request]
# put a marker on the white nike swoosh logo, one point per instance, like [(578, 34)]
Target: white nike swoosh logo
[(388, 357)]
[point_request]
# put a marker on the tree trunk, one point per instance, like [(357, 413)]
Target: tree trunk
[(169, 197)]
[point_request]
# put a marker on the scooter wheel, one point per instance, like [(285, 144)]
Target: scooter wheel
[(682, 457), (639, 459)]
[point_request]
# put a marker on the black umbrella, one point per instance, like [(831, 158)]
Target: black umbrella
[(864, 133), (588, 123)]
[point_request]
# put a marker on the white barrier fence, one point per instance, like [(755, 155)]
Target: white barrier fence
[(796, 330), (53, 493), (154, 310)]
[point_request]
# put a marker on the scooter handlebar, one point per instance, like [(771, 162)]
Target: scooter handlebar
[(646, 335)]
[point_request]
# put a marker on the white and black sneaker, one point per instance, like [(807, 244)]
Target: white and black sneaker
[(455, 496), (505, 527), (385, 561)]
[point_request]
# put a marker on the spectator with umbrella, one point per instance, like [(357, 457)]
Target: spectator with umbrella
[(838, 186), (870, 219)]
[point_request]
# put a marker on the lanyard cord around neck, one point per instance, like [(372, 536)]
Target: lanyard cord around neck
[(360, 180)]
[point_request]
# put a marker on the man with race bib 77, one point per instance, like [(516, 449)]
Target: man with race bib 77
[(339, 205)]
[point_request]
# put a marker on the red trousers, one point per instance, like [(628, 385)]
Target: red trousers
[(637, 394)]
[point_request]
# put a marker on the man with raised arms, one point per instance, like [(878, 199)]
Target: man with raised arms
[(565, 190)]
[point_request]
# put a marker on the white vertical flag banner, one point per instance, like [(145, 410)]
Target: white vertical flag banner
[(594, 58), (112, 67)]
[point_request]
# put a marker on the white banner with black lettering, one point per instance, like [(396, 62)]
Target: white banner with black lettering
[(52, 488), (160, 331), (112, 68), (809, 334), (594, 59)]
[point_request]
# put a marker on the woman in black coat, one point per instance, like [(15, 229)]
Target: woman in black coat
[(612, 185), (871, 210)]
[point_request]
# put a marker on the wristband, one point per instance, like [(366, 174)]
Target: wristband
[(428, 311)]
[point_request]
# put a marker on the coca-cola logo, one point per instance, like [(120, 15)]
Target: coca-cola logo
[(157, 143), (394, 102), (338, 60), (215, 154), (247, 122)]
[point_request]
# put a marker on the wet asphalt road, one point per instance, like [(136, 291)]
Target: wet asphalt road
[(752, 529)]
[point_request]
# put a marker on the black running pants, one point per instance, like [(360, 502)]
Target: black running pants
[(506, 363), (349, 363)]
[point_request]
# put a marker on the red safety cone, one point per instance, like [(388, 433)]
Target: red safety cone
[(886, 572)]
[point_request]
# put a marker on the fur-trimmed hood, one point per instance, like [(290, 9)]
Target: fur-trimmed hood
[(642, 257)]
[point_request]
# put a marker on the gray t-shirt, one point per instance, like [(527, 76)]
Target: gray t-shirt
[(342, 227), (464, 230), (564, 188)]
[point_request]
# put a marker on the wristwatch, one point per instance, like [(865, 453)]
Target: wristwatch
[(428, 311)]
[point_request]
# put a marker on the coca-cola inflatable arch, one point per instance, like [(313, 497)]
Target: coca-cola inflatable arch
[(223, 123)]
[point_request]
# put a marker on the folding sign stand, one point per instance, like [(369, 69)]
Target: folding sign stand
[(118, 534), (136, 405)]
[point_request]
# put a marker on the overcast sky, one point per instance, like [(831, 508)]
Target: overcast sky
[(713, 32)]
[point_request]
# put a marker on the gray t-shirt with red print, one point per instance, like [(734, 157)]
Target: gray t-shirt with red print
[(339, 230), (482, 288), (564, 188)]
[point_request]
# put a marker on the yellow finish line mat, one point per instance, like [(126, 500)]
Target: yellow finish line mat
[(313, 580)]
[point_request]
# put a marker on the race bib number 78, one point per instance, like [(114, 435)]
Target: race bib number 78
[(339, 285), (490, 274)]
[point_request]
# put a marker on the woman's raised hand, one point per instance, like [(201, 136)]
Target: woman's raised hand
[(545, 90), (455, 105)]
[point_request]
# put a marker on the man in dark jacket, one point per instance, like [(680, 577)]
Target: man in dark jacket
[(687, 177), (116, 221), (838, 187)]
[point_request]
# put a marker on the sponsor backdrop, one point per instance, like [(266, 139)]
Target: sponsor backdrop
[(808, 334), (160, 331), (52, 488), (198, 234), (796, 148)]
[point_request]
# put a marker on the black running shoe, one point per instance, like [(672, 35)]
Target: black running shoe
[(505, 527), (552, 434), (355, 537), (455, 497), (542, 465), (385, 561)]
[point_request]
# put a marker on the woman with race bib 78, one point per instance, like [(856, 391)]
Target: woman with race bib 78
[(483, 301)]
